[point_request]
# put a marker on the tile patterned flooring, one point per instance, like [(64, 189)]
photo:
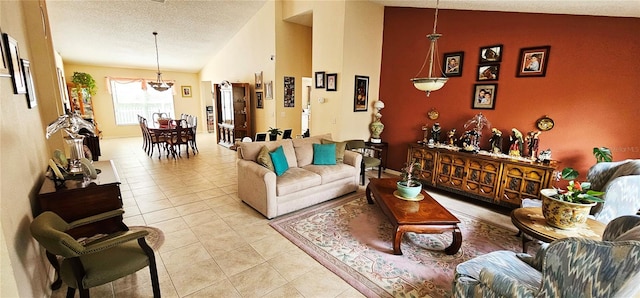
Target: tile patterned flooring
[(215, 245)]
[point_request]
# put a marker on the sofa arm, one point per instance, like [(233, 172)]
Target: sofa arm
[(353, 158), (257, 187)]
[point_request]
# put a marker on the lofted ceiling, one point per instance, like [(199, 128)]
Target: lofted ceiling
[(119, 33)]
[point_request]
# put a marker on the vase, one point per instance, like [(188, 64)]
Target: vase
[(409, 192), (376, 129), (561, 214)]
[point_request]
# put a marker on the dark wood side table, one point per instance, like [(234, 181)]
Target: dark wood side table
[(384, 147), (77, 199), (529, 221)]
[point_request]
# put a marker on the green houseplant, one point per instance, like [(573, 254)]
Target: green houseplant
[(602, 154), (409, 185), (84, 80), (273, 133)]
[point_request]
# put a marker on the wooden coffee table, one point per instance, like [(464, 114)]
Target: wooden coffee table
[(529, 221), (425, 217)]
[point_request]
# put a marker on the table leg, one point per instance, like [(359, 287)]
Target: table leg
[(56, 267), (397, 239), (369, 199), (525, 242), (457, 242)]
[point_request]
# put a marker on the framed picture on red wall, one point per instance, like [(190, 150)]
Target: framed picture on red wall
[(484, 96), (453, 64), (533, 61), (491, 54)]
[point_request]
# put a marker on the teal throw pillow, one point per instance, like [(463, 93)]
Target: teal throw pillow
[(324, 154), (279, 161)]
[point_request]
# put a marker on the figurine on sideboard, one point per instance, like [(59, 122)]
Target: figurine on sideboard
[(545, 156), (496, 141), (451, 137), (425, 134), (515, 143), (532, 143), (435, 132)]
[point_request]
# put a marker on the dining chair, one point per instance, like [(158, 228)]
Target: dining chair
[(192, 123), (158, 115), (178, 136), (153, 139), (94, 263), (370, 156)]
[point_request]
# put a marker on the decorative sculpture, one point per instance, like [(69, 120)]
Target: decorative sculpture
[(477, 123), (515, 143), (425, 134), (376, 126), (71, 124), (496, 141), (435, 132), (532, 143), (451, 137)]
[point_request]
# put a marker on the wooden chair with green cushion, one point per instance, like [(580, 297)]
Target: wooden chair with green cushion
[(98, 262), (367, 160)]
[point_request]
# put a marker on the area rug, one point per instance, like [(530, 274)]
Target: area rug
[(354, 240)]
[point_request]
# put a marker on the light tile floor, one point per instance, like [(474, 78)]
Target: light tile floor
[(215, 245)]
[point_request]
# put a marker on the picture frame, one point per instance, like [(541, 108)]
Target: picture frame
[(453, 64), (32, 100), (13, 60), (491, 54), (361, 94), (259, 99), (320, 79), (186, 91), (332, 82), (4, 63), (268, 90), (484, 96), (533, 61), (259, 80), (488, 72), (289, 92)]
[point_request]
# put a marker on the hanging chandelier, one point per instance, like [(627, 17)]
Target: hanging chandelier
[(159, 84), (431, 83)]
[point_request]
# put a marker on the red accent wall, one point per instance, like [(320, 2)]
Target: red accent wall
[(591, 88)]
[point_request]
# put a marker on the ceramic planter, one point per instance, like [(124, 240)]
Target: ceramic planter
[(561, 214), (408, 191)]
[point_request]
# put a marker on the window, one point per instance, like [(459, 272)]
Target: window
[(131, 100)]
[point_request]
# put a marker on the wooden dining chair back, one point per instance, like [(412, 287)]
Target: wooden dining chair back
[(192, 122), (178, 136), (153, 139), (159, 115)]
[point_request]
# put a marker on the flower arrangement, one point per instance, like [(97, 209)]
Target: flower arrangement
[(410, 173), (577, 192)]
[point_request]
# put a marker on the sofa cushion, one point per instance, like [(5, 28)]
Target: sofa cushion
[(340, 148), (633, 234), (324, 154), (330, 173), (279, 161), (250, 150), (296, 179), (264, 159), (304, 148)]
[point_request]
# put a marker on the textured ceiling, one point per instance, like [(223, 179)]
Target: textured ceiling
[(119, 33)]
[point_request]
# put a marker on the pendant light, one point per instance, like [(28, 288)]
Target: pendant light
[(431, 83), (159, 84)]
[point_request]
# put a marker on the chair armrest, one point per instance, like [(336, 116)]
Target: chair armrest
[(503, 283), (620, 226), (96, 218), (116, 240), (577, 267)]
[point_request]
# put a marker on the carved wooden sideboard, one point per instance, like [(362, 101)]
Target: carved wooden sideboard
[(499, 180)]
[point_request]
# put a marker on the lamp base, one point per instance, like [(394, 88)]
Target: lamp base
[(377, 141)]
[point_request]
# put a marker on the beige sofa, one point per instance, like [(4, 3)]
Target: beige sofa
[(302, 185)]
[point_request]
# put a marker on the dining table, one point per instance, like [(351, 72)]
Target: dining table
[(167, 132)]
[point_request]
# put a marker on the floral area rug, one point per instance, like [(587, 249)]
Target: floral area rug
[(354, 240)]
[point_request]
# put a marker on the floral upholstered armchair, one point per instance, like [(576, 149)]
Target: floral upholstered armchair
[(570, 267)]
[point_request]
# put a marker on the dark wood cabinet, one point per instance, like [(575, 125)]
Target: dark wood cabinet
[(78, 199), (502, 181), (234, 112)]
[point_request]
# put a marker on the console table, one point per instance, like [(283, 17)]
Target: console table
[(498, 180), (77, 199)]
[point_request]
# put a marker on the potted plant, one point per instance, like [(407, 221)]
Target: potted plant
[(409, 186), (84, 80), (273, 133), (602, 154), (568, 208)]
